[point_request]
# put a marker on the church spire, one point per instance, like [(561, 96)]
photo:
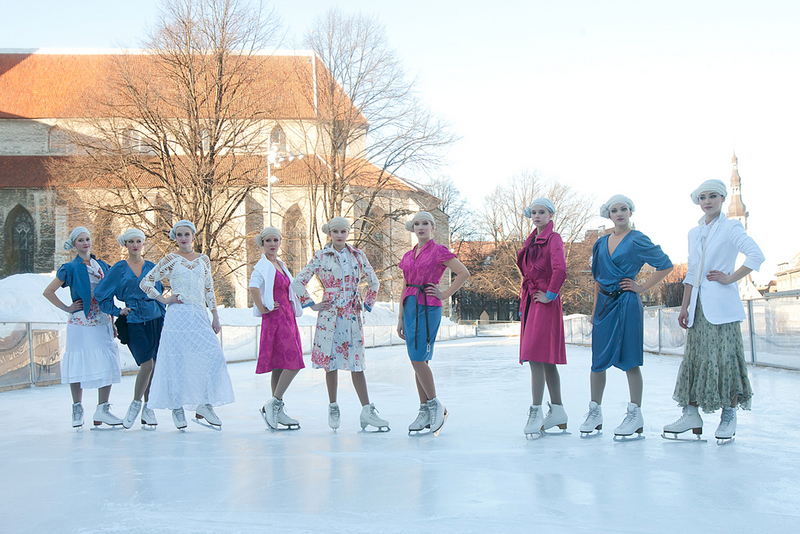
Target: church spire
[(737, 210)]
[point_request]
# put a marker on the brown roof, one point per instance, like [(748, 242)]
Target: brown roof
[(38, 172), (36, 86)]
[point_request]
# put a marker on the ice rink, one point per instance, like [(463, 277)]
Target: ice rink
[(479, 475)]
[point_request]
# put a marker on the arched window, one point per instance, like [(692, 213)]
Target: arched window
[(294, 240), (278, 138), (21, 237)]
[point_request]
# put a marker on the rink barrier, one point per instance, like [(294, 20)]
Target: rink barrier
[(30, 353)]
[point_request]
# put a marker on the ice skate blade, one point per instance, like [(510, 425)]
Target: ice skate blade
[(150, 428), (633, 437), (725, 441), (107, 427), (264, 417), (563, 432), (533, 436), (438, 430), (203, 422), (673, 436), (591, 434), (378, 429)]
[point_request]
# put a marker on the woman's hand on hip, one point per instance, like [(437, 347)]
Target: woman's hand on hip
[(541, 296), (719, 276), (629, 285)]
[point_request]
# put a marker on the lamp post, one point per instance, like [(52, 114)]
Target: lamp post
[(274, 160)]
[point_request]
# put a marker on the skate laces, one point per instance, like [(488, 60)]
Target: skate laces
[(630, 417), (727, 416)]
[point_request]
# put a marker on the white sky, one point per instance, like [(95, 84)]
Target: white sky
[(648, 99)]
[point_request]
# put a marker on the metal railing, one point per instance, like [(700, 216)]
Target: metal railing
[(30, 353)]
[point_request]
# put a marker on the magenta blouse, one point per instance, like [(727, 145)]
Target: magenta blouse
[(427, 268)]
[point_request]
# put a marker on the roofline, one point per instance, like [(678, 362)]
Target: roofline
[(134, 51)]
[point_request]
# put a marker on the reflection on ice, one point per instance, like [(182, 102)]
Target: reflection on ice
[(479, 475)]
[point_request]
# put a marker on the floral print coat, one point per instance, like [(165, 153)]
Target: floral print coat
[(339, 337)]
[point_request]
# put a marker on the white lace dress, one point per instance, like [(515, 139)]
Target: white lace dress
[(91, 357), (190, 366)]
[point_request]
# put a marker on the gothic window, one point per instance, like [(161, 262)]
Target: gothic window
[(278, 139), (21, 234), (293, 248)]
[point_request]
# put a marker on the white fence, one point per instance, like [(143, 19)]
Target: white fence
[(30, 353)]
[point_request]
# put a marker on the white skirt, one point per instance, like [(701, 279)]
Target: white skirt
[(190, 367), (91, 357)]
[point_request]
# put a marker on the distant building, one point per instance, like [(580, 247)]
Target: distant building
[(788, 275)]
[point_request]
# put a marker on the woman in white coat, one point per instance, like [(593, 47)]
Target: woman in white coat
[(713, 373), (280, 351)]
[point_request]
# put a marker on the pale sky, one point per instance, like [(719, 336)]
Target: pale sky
[(648, 99)]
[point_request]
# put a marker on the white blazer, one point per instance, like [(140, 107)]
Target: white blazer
[(725, 239), (263, 277)]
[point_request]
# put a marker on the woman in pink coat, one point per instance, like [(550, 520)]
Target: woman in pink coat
[(544, 270)]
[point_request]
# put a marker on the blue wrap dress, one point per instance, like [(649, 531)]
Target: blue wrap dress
[(618, 322)]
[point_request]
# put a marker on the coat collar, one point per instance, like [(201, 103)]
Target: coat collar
[(719, 220), (328, 249), (80, 261), (540, 238)]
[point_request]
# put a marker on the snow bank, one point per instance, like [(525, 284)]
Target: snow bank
[(21, 301)]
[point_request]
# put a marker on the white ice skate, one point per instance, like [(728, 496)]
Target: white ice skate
[(534, 426), (133, 413), (333, 416), (594, 421), (270, 413), (632, 424), (148, 420), (438, 415), (205, 416), (286, 421), (556, 416), (103, 415), (690, 420), (77, 415), (422, 421), (179, 418), (369, 417), (727, 426)]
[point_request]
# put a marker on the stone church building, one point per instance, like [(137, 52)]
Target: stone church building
[(41, 96)]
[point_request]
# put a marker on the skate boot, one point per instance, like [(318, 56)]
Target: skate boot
[(594, 420), (77, 415), (632, 424), (285, 420), (369, 416), (133, 412), (556, 416), (270, 413), (438, 415), (179, 418), (333, 415), (148, 417), (103, 415), (205, 411), (727, 426), (690, 420), (422, 421), (535, 421)]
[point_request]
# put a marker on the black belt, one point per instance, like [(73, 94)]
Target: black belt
[(421, 288), (612, 296)]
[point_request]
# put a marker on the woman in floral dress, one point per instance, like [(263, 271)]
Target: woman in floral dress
[(339, 337), (91, 359)]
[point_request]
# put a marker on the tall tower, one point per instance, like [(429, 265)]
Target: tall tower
[(737, 209)]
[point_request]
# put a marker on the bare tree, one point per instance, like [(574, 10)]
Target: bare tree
[(173, 132), (459, 213), (372, 125), (495, 270)]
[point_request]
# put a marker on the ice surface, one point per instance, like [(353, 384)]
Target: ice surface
[(479, 475)]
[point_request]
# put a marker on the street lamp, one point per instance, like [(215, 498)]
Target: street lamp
[(273, 159)]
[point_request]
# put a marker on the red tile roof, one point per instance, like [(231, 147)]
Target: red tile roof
[(41, 171), (36, 86)]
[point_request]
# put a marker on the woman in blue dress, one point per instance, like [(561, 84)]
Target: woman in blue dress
[(618, 316), (145, 318)]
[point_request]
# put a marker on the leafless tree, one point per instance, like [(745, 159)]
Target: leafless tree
[(458, 211), (372, 124), (173, 132), (505, 228)]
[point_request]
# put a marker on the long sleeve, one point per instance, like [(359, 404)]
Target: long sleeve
[(159, 272), (747, 246), (106, 290), (373, 284), (558, 264), (304, 277), (211, 298)]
